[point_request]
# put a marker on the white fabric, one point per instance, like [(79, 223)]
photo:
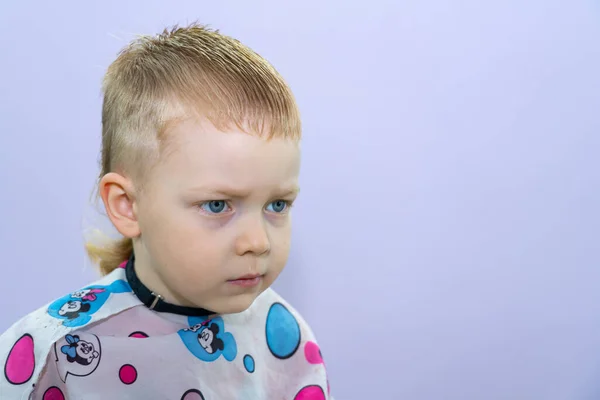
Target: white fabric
[(102, 343)]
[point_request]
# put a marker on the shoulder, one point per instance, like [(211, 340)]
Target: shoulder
[(289, 338), (282, 322), (277, 306), (93, 302), (26, 344)]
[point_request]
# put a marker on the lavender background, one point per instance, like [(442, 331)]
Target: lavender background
[(446, 238)]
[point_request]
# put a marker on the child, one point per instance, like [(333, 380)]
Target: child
[(200, 164)]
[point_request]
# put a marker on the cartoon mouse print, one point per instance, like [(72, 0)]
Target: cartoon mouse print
[(77, 355), (76, 309), (73, 308), (87, 294), (79, 351), (207, 340)]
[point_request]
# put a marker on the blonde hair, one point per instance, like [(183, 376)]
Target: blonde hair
[(157, 80)]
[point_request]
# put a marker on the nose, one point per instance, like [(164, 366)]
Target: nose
[(253, 238)]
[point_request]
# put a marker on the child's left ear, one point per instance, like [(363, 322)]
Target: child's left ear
[(118, 197)]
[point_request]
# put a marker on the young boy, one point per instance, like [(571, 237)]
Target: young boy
[(200, 164)]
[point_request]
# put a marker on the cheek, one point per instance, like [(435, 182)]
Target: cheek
[(173, 222), (280, 248), (175, 233), (192, 254), (190, 240), (281, 240)]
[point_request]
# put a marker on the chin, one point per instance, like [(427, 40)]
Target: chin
[(236, 304)]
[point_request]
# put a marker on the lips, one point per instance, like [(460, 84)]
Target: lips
[(247, 281), (248, 277)]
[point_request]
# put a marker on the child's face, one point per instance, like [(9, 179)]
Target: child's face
[(214, 210)]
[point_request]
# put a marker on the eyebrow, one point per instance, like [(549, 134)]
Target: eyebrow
[(235, 193)]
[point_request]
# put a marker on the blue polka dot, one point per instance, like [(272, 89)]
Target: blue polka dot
[(283, 332), (249, 363)]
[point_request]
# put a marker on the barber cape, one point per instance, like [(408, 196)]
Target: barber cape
[(102, 342)]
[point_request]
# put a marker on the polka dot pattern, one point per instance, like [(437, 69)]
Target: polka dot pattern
[(313, 353), (249, 363), (20, 362), (192, 394), (312, 392), (138, 334), (128, 374), (282, 331), (53, 393)]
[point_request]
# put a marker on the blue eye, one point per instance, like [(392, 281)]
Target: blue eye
[(215, 206), (278, 206)]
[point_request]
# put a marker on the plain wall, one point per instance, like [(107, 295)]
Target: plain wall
[(446, 237)]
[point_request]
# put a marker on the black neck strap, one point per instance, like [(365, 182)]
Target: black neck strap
[(155, 301)]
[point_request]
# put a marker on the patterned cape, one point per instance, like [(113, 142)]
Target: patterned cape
[(102, 342)]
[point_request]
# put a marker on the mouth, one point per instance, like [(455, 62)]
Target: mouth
[(249, 280), (248, 276)]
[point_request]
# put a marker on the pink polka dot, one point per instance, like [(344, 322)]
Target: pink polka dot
[(128, 374), (20, 363), (138, 334), (53, 393), (312, 353), (192, 394), (312, 392), (123, 264)]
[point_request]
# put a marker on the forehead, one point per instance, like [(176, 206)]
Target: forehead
[(199, 154)]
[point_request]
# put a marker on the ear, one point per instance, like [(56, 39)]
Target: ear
[(218, 344), (118, 197)]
